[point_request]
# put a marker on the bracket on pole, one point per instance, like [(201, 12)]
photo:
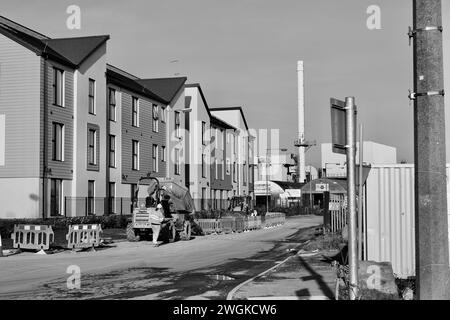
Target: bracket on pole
[(412, 32), (414, 95)]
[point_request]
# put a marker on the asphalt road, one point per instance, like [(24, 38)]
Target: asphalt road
[(203, 268)]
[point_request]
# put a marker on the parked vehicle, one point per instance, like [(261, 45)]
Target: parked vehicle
[(177, 222)]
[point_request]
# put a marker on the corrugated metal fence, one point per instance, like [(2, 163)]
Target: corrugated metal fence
[(390, 217)]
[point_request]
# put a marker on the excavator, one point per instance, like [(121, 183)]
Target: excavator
[(178, 210)]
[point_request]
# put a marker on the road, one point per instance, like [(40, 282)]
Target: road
[(203, 268)]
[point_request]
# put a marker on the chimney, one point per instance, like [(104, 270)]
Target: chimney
[(301, 123)]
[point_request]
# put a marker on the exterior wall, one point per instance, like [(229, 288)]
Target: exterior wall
[(178, 103), (373, 153), (390, 216), (198, 114), (20, 105), (220, 155), (19, 131), (93, 68), (144, 134)]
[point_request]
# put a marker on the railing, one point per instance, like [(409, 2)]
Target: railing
[(338, 213)]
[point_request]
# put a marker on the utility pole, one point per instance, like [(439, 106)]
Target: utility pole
[(351, 195), (432, 255)]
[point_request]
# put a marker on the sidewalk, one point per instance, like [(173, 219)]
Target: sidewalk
[(301, 277)]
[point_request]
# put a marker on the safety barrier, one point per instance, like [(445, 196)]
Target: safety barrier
[(238, 224), (209, 225), (83, 236), (34, 237), (273, 219), (228, 224), (252, 223)]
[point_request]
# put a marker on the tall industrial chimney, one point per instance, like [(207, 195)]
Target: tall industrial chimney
[(301, 123)]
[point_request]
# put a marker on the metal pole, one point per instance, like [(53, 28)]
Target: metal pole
[(351, 195), (431, 225), (267, 181), (360, 192)]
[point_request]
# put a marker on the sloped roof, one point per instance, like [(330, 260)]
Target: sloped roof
[(68, 51), (233, 108), (130, 82), (76, 50), (166, 88), (221, 123)]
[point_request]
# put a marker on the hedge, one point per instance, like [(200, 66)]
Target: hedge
[(107, 222)]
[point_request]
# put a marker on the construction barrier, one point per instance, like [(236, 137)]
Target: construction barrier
[(238, 224), (83, 236), (228, 224), (252, 223), (209, 225), (273, 219), (32, 237)]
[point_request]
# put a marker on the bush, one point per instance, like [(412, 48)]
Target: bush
[(107, 222)]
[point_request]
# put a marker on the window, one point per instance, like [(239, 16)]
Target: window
[(177, 161), (203, 165), (163, 115), (155, 111), (133, 191), (234, 172), (112, 151), (228, 167), (135, 112), (245, 172), (204, 133), (204, 199), (163, 153), (112, 197), (234, 144), (91, 197), (112, 105), (155, 158), (216, 134), (216, 165), (135, 155), (177, 124), (55, 197), (58, 142), (91, 96), (222, 169), (58, 87), (92, 146), (221, 139)]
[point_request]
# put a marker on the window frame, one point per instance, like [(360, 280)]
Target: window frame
[(92, 97), (155, 118), (62, 88), (135, 111), (55, 157), (112, 106), (163, 154), (177, 161), (177, 121), (92, 150), (155, 165), (112, 151), (135, 155), (204, 133)]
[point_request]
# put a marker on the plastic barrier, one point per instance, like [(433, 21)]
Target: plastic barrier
[(83, 236), (34, 237), (209, 225), (252, 223), (273, 219), (238, 224), (228, 224)]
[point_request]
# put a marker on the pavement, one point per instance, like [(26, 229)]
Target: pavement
[(207, 267), (306, 276)]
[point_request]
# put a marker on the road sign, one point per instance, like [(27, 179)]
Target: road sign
[(322, 187), (338, 125)]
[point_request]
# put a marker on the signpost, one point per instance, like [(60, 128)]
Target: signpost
[(343, 129)]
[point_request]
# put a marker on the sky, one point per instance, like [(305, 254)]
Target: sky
[(245, 53)]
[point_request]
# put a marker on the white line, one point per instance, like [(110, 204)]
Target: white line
[(232, 292)]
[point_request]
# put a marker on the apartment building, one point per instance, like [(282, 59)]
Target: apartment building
[(222, 135), (137, 137), (243, 144), (51, 105), (77, 134), (199, 160)]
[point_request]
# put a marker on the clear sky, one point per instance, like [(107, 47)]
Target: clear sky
[(245, 52)]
